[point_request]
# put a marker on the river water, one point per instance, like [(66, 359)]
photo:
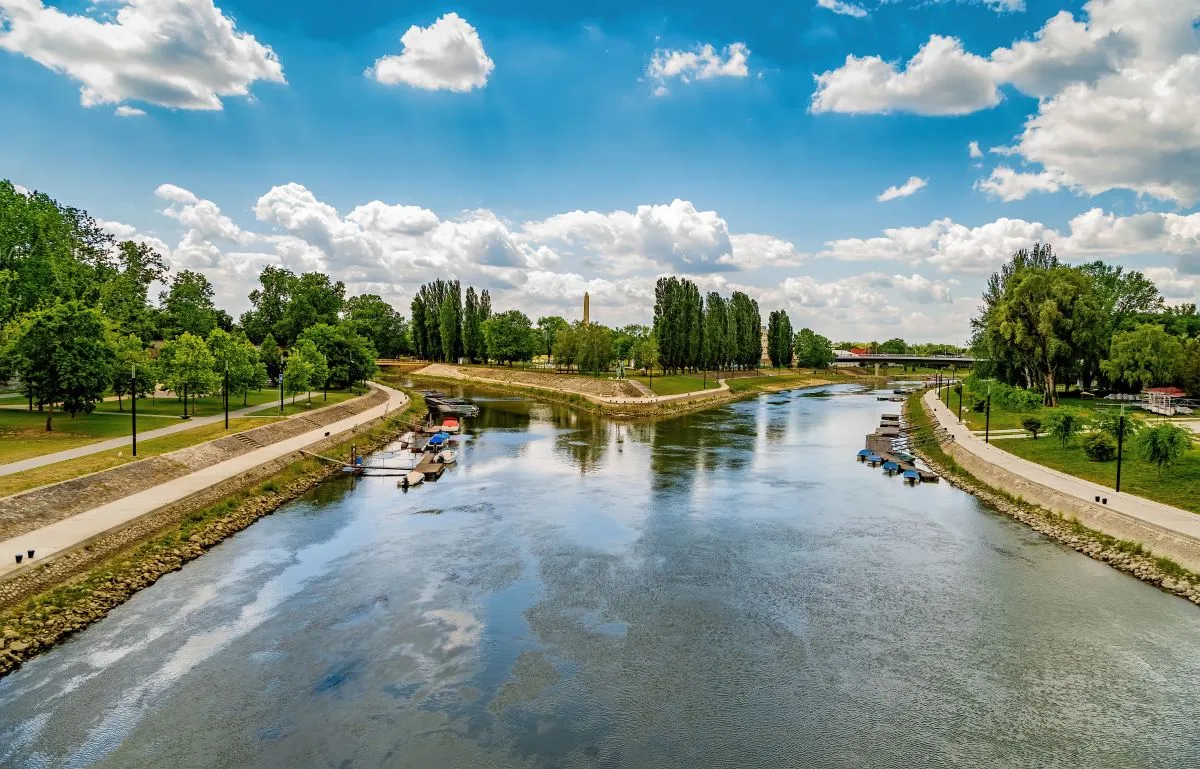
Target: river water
[(726, 589)]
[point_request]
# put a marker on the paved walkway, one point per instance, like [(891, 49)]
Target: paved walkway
[(71, 531), (1155, 513)]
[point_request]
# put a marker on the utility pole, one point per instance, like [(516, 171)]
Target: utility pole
[(133, 402), (987, 420), (1120, 442)]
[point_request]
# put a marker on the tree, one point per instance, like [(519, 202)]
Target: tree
[(1111, 422), (123, 299), (376, 320), (1045, 320), (595, 347), (186, 365), (450, 324), (625, 337), (1121, 295), (566, 347), (1099, 447), (1189, 367), (188, 306), (298, 371), (1032, 425), (471, 326), (813, 350), (314, 299), (715, 324), (895, 346), (63, 355), (509, 337), (1144, 357), (1064, 424), (993, 353), (234, 354), (779, 339), (549, 327), (268, 303), (315, 367), (132, 374), (349, 356), (645, 353), (1163, 445), (420, 336), (271, 356)]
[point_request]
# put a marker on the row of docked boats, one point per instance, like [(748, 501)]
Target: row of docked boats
[(441, 403)]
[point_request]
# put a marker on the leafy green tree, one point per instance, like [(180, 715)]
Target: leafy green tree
[(595, 347), (375, 319), (482, 313), (549, 327), (749, 329), (625, 337), (123, 298), (566, 347), (298, 371), (510, 337), (1189, 367), (779, 339), (1046, 319), (188, 306), (63, 355), (268, 303), (1162, 445), (271, 356), (1064, 424), (133, 374), (1122, 295), (314, 299), (996, 358), (315, 365), (235, 354), (645, 353), (1143, 357), (450, 324), (813, 350), (1110, 422), (472, 329), (1032, 425), (419, 334), (349, 356), (896, 346), (715, 324), (186, 365)]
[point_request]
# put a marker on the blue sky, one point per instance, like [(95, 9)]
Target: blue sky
[(777, 173)]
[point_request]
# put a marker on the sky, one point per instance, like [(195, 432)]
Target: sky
[(862, 164)]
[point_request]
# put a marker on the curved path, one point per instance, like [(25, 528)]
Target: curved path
[(69, 532), (444, 371), (1172, 519)]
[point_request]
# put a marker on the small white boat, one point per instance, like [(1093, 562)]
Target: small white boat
[(414, 478), (447, 457)]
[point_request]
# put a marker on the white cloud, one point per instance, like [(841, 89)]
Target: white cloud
[(1175, 287), (119, 230), (974, 151), (1118, 107), (704, 62), (921, 289), (126, 111), (446, 55), (184, 54), (1009, 185), (913, 184), (843, 8), (941, 79)]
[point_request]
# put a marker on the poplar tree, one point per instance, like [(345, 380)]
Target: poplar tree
[(470, 325)]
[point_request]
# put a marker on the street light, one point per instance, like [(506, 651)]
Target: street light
[(282, 365), (133, 388), (1120, 442), (226, 395), (987, 423)]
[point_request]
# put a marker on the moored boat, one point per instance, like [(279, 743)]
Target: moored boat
[(447, 457), (450, 425)]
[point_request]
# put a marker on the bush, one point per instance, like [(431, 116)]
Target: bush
[(1064, 424), (1163, 444), (1032, 425), (1099, 447)]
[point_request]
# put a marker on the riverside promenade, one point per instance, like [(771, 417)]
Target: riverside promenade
[(1178, 524), (69, 532)]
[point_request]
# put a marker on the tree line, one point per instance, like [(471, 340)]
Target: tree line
[(77, 320), (710, 333), (1044, 323)]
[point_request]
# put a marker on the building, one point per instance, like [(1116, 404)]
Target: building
[(766, 356), (587, 308)]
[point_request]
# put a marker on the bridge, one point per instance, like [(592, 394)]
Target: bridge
[(944, 361)]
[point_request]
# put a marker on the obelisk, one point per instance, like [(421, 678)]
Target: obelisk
[(587, 308)]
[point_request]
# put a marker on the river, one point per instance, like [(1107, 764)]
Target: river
[(726, 589)]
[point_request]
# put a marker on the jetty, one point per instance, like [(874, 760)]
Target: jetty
[(885, 447)]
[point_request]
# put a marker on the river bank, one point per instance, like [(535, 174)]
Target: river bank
[(1128, 556), (41, 615)]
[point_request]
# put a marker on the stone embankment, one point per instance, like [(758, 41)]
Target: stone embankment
[(33, 509), (1129, 556), (46, 605)]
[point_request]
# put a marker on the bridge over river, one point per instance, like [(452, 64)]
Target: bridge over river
[(945, 361)]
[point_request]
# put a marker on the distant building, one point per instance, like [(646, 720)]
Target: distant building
[(859, 351)]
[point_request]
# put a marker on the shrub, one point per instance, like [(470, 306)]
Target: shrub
[(1064, 424), (1162, 445), (1032, 425), (1099, 447)]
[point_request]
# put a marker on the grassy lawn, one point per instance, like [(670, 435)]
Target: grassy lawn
[(674, 384), (301, 406), (171, 406), (23, 433), (1179, 485), (93, 463), (1003, 419)]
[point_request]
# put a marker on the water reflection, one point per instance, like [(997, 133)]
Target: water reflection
[(724, 589)]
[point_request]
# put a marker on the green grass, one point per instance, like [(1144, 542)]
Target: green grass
[(23, 433), (94, 463), (302, 406), (674, 384), (169, 405)]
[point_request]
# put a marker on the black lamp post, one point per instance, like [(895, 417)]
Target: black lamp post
[(987, 420), (282, 366), (1120, 443), (133, 402), (960, 389), (226, 395)]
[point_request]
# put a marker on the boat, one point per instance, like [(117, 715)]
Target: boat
[(447, 457), (436, 440), (873, 460), (912, 477), (863, 454), (414, 478), (891, 467), (450, 425)]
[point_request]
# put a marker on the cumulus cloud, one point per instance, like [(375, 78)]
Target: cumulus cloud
[(1008, 185), (126, 111), (704, 62), (184, 54), (1175, 286), (843, 8), (446, 55), (913, 184), (1118, 107), (974, 151)]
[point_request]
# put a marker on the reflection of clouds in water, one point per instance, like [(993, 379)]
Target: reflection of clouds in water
[(464, 628)]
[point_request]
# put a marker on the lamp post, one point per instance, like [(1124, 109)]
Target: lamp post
[(133, 401), (960, 389), (987, 420), (226, 395), (1120, 442), (282, 365), (326, 357)]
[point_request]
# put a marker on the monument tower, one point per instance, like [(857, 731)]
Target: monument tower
[(587, 305)]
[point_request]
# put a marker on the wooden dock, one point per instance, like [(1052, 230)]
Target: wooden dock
[(429, 468)]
